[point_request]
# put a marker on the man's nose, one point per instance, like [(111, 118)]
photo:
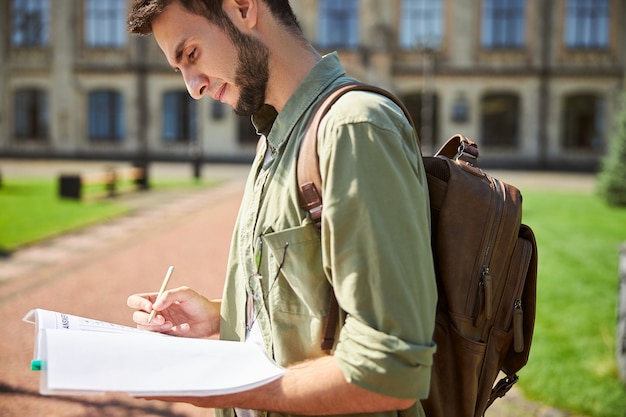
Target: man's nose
[(197, 84)]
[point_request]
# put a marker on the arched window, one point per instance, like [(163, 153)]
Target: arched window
[(31, 114), (424, 110), (583, 122), (106, 115), (180, 117), (500, 113)]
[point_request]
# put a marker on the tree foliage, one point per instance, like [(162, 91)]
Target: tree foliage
[(612, 178)]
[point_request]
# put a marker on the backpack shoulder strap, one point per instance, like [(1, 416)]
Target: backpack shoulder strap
[(308, 170), (310, 179)]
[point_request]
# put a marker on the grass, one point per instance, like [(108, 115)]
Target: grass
[(31, 211), (572, 364)]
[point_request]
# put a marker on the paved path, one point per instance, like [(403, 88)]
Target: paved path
[(92, 271)]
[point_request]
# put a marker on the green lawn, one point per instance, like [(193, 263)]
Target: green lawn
[(30, 210), (572, 364)]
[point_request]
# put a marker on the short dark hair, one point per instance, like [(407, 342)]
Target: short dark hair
[(144, 12)]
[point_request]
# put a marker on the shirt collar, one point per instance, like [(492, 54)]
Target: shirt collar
[(278, 127)]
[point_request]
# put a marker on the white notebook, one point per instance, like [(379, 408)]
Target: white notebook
[(77, 355)]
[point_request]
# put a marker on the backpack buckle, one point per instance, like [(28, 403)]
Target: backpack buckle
[(467, 152), (502, 387)]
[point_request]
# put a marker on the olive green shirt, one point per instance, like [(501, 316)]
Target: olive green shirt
[(373, 247)]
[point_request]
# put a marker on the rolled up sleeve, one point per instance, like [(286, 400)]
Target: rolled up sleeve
[(382, 363)]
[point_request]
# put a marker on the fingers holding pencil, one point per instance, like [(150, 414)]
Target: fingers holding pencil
[(166, 280), (145, 303), (181, 311)]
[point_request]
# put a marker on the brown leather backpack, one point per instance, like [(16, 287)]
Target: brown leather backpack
[(486, 270)]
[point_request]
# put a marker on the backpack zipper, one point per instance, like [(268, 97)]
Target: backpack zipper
[(485, 284), (488, 291), (518, 310), (518, 326)]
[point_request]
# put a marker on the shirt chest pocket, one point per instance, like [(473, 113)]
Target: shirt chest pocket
[(299, 285)]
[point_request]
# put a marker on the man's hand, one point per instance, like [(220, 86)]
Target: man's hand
[(181, 312)]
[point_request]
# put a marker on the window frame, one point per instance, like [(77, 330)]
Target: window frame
[(31, 106), (416, 103), (108, 113), (332, 14), (568, 113), (413, 13), (499, 20), (105, 24), (588, 9), (508, 121), (21, 30), (182, 113)]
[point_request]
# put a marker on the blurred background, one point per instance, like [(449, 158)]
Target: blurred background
[(536, 82)]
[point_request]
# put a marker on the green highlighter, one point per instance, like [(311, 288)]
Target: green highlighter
[(36, 365)]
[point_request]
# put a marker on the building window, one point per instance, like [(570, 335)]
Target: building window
[(105, 23), (31, 114), (180, 121), (460, 109), (30, 23), (583, 122), (421, 24), (217, 110), (338, 24), (503, 24), (106, 116), (424, 110), (500, 120), (587, 24)]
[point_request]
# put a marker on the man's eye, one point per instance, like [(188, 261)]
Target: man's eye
[(192, 54)]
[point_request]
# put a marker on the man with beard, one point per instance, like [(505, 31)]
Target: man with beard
[(373, 246)]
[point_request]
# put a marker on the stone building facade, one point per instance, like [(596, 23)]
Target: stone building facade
[(536, 83)]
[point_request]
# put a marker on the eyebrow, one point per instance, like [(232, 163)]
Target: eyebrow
[(178, 51)]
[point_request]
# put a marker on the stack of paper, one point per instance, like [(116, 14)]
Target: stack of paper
[(77, 355)]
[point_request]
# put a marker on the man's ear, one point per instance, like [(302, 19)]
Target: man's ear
[(243, 13)]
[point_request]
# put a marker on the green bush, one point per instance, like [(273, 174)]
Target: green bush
[(612, 178)]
